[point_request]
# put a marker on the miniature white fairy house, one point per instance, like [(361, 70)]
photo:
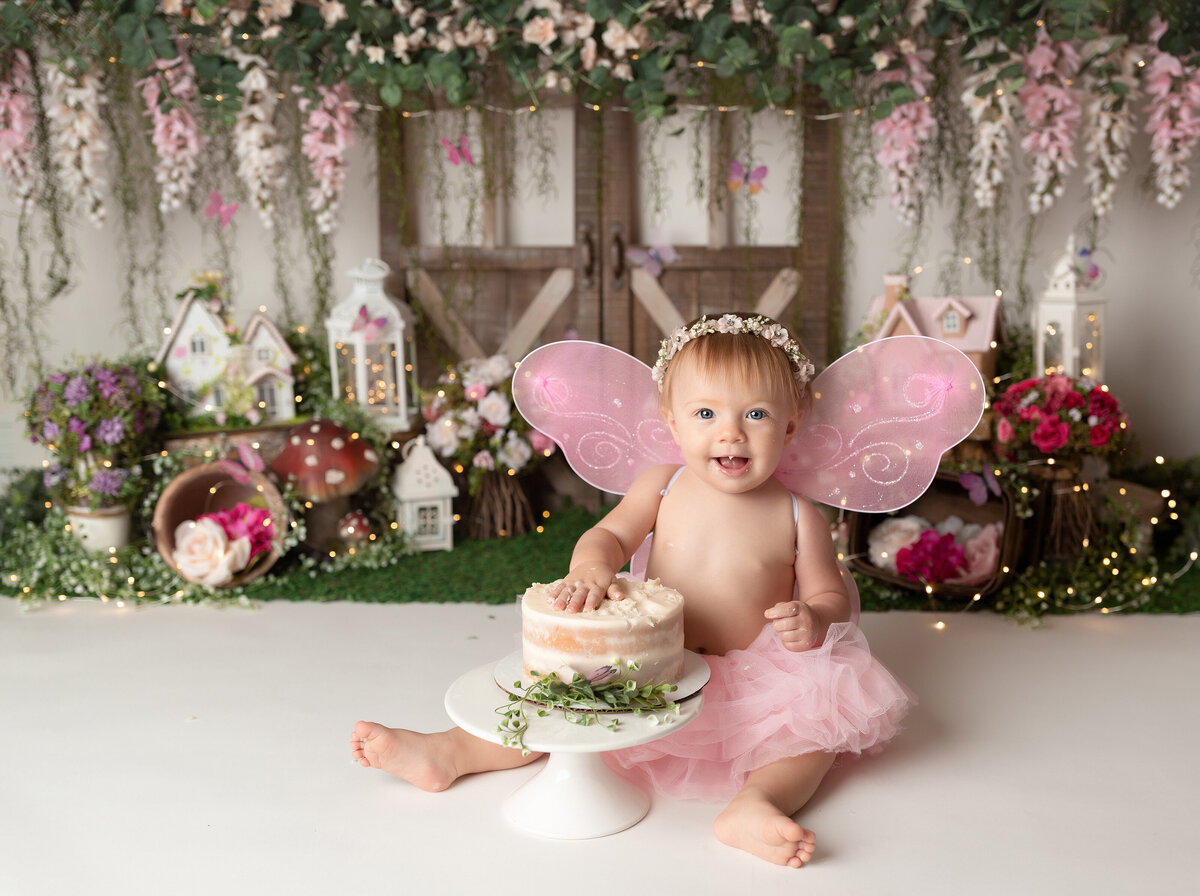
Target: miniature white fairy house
[(216, 371), (424, 490), (969, 323), (371, 357), (1068, 322)]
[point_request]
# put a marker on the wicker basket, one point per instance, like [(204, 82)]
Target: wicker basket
[(945, 498), (211, 487)]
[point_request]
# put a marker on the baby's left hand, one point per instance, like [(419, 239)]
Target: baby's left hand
[(798, 626)]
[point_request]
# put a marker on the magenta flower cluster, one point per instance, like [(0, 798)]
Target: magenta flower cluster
[(931, 558), (1058, 416), (246, 521)]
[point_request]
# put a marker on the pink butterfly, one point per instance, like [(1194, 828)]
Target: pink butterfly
[(653, 259), (216, 208), (978, 486), (458, 154), (371, 329), (737, 177)]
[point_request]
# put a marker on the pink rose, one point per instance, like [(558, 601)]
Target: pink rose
[(1100, 434), (204, 554), (542, 443), (1004, 430), (476, 391), (1050, 435), (981, 555)]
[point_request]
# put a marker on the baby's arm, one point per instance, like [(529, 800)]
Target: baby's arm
[(803, 623), (602, 550)]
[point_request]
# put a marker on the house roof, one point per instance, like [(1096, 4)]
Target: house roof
[(981, 318), (177, 325), (259, 321)]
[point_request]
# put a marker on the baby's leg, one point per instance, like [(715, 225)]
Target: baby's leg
[(430, 761), (758, 819)]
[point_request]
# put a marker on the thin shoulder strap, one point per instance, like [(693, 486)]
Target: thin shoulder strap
[(675, 475)]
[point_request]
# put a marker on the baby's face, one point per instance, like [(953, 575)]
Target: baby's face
[(731, 431)]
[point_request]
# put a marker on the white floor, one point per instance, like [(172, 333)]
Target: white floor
[(190, 750)]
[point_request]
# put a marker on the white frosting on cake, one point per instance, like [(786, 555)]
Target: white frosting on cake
[(645, 626)]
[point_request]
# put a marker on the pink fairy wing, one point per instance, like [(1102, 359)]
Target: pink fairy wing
[(882, 417), (600, 406)]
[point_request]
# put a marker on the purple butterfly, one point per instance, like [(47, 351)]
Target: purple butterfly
[(653, 258), (371, 329), (978, 486), (458, 154), (1085, 266), (216, 208), (738, 176)]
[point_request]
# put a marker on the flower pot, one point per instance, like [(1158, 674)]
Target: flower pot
[(102, 529), (207, 489)]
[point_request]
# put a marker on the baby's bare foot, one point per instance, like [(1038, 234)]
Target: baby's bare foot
[(759, 828), (406, 754)]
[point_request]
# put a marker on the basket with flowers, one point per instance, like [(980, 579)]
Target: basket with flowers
[(97, 420), (471, 421)]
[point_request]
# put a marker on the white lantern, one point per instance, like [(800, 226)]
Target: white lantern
[(1068, 323), (423, 490), (371, 358)]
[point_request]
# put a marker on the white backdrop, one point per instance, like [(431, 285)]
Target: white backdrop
[(1148, 255)]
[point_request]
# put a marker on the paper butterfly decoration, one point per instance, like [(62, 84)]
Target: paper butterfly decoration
[(217, 208), (371, 328), (881, 418), (978, 486), (1085, 267), (653, 259), (460, 153), (738, 176)]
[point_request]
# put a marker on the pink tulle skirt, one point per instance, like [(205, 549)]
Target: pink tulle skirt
[(766, 703)]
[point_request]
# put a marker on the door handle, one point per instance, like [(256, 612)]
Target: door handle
[(587, 255), (616, 247)]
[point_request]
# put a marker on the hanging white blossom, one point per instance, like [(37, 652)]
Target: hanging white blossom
[(77, 135), (260, 157), (1108, 122), (992, 118)]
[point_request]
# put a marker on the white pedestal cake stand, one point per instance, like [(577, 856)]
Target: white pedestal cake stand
[(575, 796)]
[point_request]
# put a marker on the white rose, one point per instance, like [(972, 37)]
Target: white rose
[(205, 555), (886, 539), (495, 409), (516, 452), (442, 435)]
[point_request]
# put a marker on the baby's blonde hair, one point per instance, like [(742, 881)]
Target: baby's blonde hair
[(740, 355)]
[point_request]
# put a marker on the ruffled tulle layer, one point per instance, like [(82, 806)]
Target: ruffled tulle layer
[(766, 703)]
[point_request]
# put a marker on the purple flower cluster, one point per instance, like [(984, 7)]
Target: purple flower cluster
[(98, 420)]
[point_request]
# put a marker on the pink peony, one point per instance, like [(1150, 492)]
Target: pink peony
[(931, 558), (1004, 430), (981, 555), (541, 443)]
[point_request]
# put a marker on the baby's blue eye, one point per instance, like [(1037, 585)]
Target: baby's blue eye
[(705, 413), (757, 414)]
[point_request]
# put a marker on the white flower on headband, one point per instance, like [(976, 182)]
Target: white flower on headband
[(757, 325)]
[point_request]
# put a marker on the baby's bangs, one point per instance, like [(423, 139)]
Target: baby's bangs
[(740, 355)]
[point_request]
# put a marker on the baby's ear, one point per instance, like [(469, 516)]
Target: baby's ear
[(792, 427)]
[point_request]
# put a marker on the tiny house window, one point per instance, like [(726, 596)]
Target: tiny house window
[(951, 323)]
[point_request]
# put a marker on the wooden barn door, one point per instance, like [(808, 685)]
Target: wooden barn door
[(489, 298)]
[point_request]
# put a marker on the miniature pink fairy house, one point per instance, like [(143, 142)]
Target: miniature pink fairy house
[(217, 372), (969, 323)]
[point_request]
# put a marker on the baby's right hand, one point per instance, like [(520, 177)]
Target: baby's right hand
[(584, 588)]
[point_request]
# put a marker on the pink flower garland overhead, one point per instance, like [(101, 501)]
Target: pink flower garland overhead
[(1174, 118), (175, 133), (1052, 110), (905, 134), (16, 124), (328, 131)]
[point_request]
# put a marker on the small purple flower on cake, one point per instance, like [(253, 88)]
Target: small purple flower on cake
[(602, 674)]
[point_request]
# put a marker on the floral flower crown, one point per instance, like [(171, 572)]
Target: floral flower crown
[(733, 323)]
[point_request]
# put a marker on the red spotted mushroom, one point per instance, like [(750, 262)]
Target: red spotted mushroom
[(325, 463)]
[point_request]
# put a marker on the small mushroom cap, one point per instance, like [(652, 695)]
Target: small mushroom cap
[(322, 460)]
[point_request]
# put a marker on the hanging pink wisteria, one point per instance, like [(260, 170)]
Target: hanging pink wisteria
[(1051, 108), (175, 132), (907, 132), (16, 126), (1173, 87), (328, 130)]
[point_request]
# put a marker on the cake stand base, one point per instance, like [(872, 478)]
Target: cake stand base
[(576, 797)]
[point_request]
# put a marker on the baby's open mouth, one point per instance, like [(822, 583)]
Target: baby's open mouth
[(733, 463)]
